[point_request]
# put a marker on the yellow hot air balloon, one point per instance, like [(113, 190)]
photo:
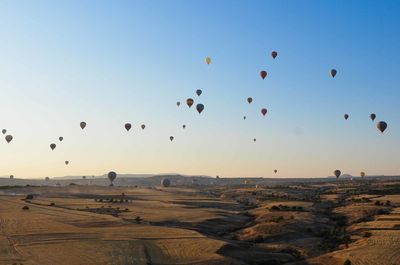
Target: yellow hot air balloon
[(207, 60)]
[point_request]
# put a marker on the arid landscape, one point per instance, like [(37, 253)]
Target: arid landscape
[(206, 221)]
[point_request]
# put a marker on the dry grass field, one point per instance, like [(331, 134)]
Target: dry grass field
[(291, 224)]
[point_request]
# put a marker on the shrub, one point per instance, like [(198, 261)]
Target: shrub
[(29, 197), (138, 220), (275, 208), (347, 262), (367, 234), (258, 239), (388, 203), (52, 204), (25, 208), (377, 203)]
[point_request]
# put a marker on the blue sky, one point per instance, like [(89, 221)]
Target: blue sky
[(111, 62)]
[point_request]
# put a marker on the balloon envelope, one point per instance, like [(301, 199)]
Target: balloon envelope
[(333, 72), (264, 111), (128, 126), (200, 108), (112, 176), (381, 126), (8, 138), (263, 74), (189, 102), (165, 182)]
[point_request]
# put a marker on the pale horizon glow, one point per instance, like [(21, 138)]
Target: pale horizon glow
[(108, 63)]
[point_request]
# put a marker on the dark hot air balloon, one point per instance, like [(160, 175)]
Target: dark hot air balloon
[(200, 108), (199, 92), (189, 102), (60, 138), (165, 182), (112, 176), (263, 74), (333, 72), (82, 125), (143, 126), (171, 138), (249, 100), (337, 173), (346, 116), (264, 111), (8, 138), (381, 126), (274, 54), (52, 146), (128, 126), (372, 116)]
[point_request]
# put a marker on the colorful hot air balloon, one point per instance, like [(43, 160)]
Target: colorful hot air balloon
[(264, 111), (346, 116), (52, 146), (200, 108), (274, 54), (263, 74), (189, 102), (207, 60), (333, 72), (165, 182), (112, 176), (143, 126), (372, 116), (171, 138), (60, 138), (128, 126), (381, 126), (8, 138), (337, 173), (199, 92), (4, 131), (249, 100), (83, 125)]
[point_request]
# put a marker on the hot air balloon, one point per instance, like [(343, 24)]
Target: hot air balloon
[(249, 100), (244, 117), (128, 126), (60, 138), (143, 126), (112, 176), (264, 111), (200, 108), (207, 60), (67, 162), (46, 178), (189, 102), (275, 171), (263, 74), (199, 92), (372, 116), (346, 116), (165, 182), (178, 103), (274, 54), (4, 131), (337, 173), (362, 174), (11, 176), (52, 146), (381, 126), (171, 138), (333, 72), (254, 140), (8, 138), (83, 125), (183, 126), (83, 177)]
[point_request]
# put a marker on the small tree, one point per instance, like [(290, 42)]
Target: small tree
[(347, 262), (25, 208)]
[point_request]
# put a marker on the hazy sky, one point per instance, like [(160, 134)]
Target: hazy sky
[(111, 62)]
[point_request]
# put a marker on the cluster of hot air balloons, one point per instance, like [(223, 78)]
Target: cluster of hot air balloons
[(128, 126)]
